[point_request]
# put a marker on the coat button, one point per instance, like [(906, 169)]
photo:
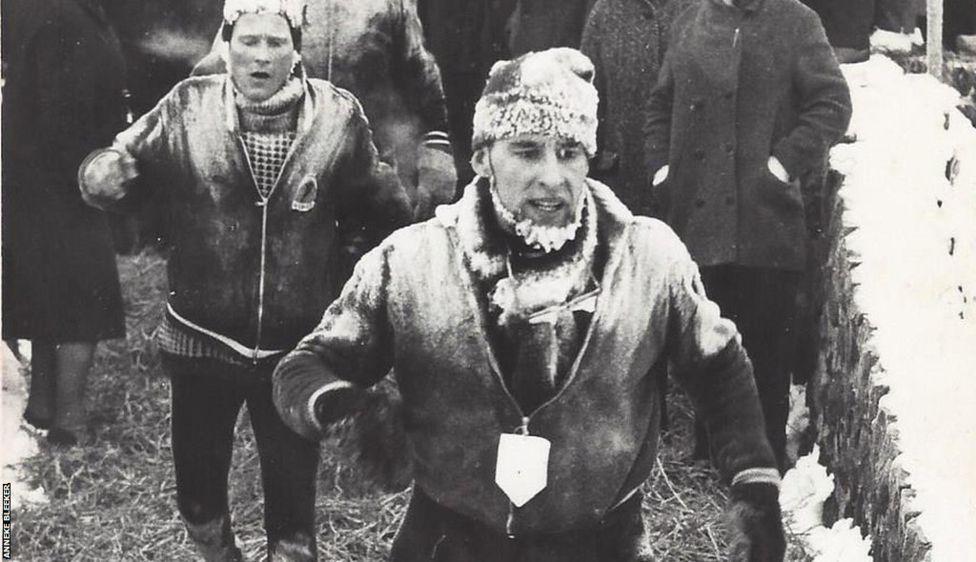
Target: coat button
[(699, 154), (729, 148), (696, 104), (729, 200), (728, 95), (699, 203)]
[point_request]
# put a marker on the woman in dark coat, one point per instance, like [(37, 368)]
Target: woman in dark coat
[(750, 97), (626, 40), (63, 97)]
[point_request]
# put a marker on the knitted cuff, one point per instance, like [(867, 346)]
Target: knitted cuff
[(757, 476), (310, 406), (438, 140)]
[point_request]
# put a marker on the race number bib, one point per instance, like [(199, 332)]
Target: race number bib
[(522, 467)]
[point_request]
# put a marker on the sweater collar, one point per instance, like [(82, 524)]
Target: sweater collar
[(306, 105), (274, 115)]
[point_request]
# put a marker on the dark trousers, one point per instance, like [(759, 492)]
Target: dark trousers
[(762, 303), (207, 396), (432, 532)]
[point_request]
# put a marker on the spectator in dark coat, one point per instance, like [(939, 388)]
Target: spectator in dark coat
[(543, 24), (375, 49), (749, 98), (468, 36), (626, 40), (63, 97)]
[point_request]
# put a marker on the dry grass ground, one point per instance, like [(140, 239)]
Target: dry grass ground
[(115, 499)]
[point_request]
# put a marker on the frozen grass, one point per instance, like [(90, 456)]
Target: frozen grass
[(115, 499)]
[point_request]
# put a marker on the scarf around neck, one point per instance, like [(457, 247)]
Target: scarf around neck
[(521, 285)]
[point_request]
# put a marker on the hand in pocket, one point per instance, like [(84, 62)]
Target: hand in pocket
[(776, 168)]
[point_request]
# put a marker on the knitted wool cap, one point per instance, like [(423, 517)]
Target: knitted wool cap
[(292, 10), (547, 93)]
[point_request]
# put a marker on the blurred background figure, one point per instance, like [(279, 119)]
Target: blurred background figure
[(626, 40), (468, 36), (543, 24), (63, 96)]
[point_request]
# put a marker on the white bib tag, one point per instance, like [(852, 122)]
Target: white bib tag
[(522, 469)]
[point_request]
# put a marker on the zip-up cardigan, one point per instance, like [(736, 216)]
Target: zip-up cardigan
[(253, 272), (412, 304)]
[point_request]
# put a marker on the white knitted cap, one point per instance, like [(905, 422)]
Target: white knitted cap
[(549, 93), (292, 10)]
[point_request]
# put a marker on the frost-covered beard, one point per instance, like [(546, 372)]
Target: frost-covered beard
[(537, 236)]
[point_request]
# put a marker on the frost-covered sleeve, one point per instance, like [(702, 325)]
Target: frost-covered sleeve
[(350, 348), (711, 364), (823, 96), (369, 194), (657, 124), (144, 141), (419, 78)]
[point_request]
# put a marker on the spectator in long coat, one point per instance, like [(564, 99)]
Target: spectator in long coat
[(626, 40), (749, 98), (63, 97), (375, 49)]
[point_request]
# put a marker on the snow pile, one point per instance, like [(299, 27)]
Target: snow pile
[(798, 420), (805, 488), (910, 189), (892, 42), (18, 443)]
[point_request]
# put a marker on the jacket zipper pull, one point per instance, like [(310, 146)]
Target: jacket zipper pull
[(735, 38)]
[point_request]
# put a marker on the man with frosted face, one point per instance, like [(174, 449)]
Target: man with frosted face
[(259, 166), (527, 324)]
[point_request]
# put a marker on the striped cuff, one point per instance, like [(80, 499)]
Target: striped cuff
[(310, 406), (757, 476), (438, 140)]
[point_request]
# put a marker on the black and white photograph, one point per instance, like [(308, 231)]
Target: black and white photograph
[(488, 280)]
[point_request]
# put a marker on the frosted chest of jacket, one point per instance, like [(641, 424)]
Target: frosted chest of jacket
[(414, 304), (259, 270)]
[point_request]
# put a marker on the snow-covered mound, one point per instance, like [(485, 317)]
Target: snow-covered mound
[(18, 443), (805, 489), (909, 199)]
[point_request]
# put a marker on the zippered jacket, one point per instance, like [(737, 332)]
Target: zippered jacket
[(413, 304), (250, 271)]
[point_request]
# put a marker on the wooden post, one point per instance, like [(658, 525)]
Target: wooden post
[(933, 46)]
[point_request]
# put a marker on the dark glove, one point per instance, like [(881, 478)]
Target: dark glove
[(340, 403), (757, 525)]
